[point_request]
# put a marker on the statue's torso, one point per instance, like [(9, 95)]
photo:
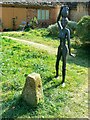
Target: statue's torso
[(63, 37)]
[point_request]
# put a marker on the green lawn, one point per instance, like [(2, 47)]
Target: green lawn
[(39, 36), (19, 60)]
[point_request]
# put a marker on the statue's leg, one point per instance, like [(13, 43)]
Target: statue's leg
[(59, 53), (64, 54), (63, 68)]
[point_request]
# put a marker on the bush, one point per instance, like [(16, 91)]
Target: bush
[(42, 32), (34, 23), (83, 29), (54, 31), (72, 25), (27, 29)]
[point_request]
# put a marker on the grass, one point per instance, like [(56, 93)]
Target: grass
[(36, 35), (20, 60)]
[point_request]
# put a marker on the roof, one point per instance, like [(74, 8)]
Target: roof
[(27, 2), (41, 1), (50, 3)]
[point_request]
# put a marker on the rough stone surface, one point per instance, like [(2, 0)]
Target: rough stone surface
[(33, 92)]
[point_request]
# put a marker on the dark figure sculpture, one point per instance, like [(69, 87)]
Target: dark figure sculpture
[(64, 35)]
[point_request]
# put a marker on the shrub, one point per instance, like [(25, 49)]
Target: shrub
[(83, 29), (27, 29), (33, 23), (43, 32), (72, 25), (54, 31)]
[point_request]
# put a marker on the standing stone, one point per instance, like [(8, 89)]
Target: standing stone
[(32, 92)]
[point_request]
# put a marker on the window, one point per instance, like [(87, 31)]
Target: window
[(47, 14), (43, 14), (39, 14)]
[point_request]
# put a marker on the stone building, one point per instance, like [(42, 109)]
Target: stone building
[(13, 13), (78, 10)]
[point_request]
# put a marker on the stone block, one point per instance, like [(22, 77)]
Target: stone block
[(33, 92)]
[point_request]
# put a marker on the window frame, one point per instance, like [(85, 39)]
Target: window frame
[(43, 14)]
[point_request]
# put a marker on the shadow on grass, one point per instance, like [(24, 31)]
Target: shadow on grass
[(17, 108), (52, 87), (48, 79), (82, 57)]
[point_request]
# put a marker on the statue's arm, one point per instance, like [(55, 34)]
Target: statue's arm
[(58, 19), (59, 25), (69, 46), (68, 39)]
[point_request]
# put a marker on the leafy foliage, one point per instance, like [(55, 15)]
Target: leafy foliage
[(54, 31), (72, 25), (83, 29), (33, 23)]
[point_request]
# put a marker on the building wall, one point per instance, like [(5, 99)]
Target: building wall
[(77, 13), (31, 13), (13, 16), (53, 12), (10, 14), (7, 15), (0, 12), (0, 18), (20, 15)]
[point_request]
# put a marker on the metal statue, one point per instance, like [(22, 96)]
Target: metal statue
[(64, 35)]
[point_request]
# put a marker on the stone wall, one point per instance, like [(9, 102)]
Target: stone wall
[(19, 14), (0, 18), (10, 13), (53, 12), (77, 13)]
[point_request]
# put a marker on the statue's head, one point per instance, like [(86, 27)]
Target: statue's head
[(64, 22), (64, 11)]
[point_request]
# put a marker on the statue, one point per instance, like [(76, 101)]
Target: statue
[(64, 35)]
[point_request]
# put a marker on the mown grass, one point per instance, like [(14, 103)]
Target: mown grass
[(40, 36), (37, 35), (20, 60)]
